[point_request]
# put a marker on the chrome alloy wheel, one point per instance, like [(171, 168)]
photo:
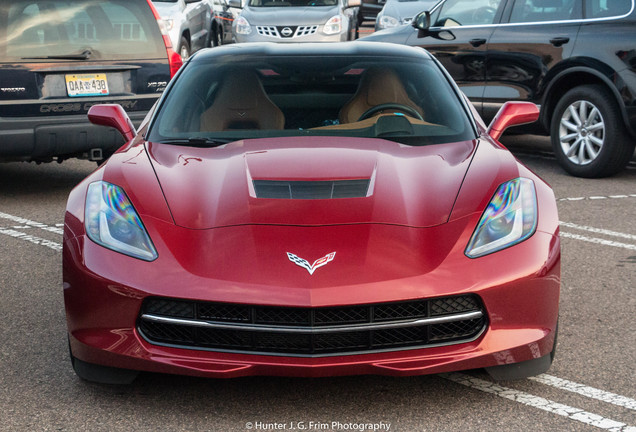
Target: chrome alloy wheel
[(582, 132)]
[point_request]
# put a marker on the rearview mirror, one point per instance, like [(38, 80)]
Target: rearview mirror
[(353, 3), (512, 114), (112, 115), (235, 4)]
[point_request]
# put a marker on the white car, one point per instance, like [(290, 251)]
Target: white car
[(296, 21), (188, 22)]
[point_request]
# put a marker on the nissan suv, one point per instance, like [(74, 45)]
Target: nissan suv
[(296, 21), (60, 57), (574, 58)]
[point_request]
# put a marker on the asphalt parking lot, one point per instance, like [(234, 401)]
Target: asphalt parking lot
[(590, 386)]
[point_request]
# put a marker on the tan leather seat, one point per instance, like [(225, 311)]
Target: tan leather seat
[(241, 103), (378, 85)]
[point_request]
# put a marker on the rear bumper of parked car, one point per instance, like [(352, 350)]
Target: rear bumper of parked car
[(40, 138), (520, 300)]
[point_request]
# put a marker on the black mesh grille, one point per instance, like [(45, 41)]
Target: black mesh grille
[(449, 305), (319, 320), (311, 189)]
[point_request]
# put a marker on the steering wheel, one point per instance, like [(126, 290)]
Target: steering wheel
[(396, 106), (484, 15)]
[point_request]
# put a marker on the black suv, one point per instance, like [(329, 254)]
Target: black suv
[(60, 57), (574, 58)]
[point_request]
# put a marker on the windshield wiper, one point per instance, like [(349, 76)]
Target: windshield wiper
[(84, 55), (197, 142)]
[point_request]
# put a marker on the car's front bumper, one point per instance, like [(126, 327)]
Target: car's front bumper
[(104, 292), (317, 36)]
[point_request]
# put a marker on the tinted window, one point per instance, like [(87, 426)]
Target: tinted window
[(295, 96), (107, 29), (466, 12), (545, 10), (606, 8)]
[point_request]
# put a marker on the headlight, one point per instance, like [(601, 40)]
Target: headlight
[(111, 221), (510, 218), (166, 25), (386, 21), (243, 26), (333, 26)]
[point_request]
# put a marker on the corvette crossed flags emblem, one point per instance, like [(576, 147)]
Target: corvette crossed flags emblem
[(311, 268)]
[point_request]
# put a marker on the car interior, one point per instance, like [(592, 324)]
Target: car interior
[(279, 99)]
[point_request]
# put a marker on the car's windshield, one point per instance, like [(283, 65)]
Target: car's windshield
[(297, 3), (228, 98)]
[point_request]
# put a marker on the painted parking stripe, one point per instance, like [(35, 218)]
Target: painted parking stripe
[(31, 223), (597, 241), (524, 398), (584, 390), (594, 198), (598, 230), (32, 239)]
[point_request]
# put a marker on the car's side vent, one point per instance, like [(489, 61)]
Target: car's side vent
[(311, 189)]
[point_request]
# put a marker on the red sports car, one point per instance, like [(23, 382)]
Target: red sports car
[(311, 210)]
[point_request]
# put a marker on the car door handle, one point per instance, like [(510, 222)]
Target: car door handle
[(558, 41), (477, 42)]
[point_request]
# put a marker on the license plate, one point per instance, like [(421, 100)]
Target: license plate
[(87, 85)]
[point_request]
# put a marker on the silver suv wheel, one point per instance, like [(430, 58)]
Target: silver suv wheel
[(589, 137), (582, 132)]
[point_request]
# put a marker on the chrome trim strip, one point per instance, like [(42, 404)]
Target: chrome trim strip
[(313, 330), (508, 24)]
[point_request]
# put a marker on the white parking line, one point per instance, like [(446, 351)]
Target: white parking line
[(28, 224), (584, 390), (594, 198), (33, 239), (598, 241), (598, 230), (31, 223), (540, 403)]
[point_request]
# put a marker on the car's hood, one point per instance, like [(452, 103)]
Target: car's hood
[(216, 187), (289, 16), (167, 9), (397, 35)]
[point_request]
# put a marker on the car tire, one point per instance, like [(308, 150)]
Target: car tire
[(184, 48), (597, 145), (217, 37), (101, 374)]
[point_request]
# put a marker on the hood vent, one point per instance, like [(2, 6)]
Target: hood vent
[(311, 189)]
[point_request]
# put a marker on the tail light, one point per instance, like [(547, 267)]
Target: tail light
[(174, 59)]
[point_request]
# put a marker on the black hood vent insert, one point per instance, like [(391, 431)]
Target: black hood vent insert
[(330, 189)]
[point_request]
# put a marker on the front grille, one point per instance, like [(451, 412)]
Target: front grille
[(267, 31), (311, 189), (306, 30), (286, 32), (311, 331)]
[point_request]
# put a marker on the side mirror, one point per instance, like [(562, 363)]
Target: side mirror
[(422, 22), (512, 114), (235, 4), (353, 3), (112, 115)]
